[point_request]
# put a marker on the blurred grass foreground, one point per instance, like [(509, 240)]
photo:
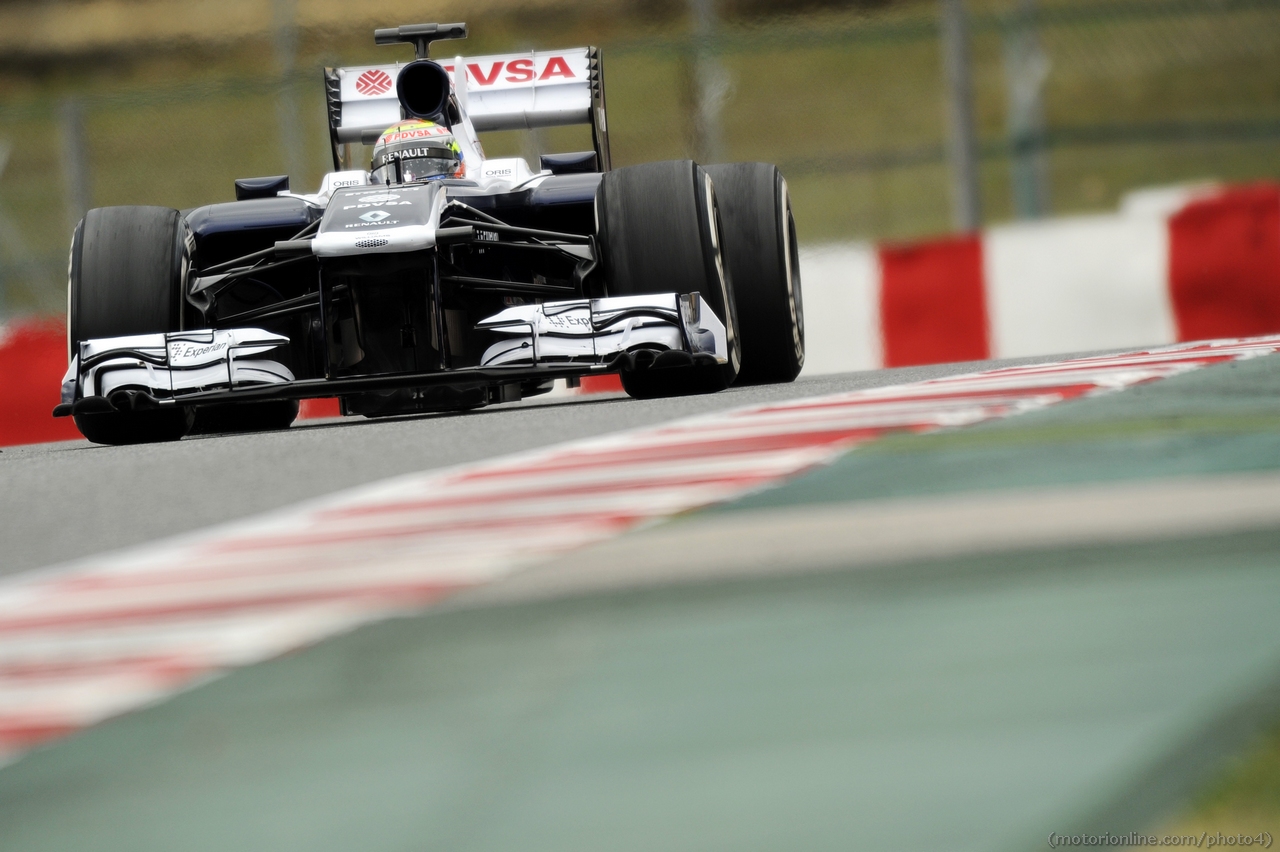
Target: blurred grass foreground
[(1075, 101)]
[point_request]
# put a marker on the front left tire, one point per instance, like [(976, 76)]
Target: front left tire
[(125, 277)]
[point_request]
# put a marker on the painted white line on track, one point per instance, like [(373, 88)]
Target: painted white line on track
[(94, 638)]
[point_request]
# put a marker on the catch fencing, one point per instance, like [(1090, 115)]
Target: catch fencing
[(1076, 103)]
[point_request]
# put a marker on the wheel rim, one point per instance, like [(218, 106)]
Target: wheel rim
[(791, 264), (713, 216)]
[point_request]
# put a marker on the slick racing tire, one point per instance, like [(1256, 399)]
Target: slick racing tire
[(760, 252), (268, 416), (125, 277), (659, 232)]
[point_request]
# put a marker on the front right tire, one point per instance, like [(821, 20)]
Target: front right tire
[(659, 232)]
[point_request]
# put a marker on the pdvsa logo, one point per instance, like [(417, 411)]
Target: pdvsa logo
[(523, 70)]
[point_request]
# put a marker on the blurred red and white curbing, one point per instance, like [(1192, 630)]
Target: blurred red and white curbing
[(1172, 265)]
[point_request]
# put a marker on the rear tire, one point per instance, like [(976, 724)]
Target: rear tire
[(761, 254), (125, 277), (659, 232)]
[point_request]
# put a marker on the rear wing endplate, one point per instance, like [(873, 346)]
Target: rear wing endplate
[(506, 92)]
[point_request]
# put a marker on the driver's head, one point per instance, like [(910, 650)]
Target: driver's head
[(416, 150)]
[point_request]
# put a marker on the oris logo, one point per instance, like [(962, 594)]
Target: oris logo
[(373, 82)]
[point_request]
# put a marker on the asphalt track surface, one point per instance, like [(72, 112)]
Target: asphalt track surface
[(67, 500)]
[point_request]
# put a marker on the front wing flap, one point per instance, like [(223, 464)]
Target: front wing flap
[(553, 339), (112, 371), (598, 330)]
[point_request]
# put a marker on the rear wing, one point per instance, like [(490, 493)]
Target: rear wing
[(512, 91)]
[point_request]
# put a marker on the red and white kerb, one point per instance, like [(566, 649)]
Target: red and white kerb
[(88, 640)]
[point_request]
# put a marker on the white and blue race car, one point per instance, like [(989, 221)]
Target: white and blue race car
[(398, 290)]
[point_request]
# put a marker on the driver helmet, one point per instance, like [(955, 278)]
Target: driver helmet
[(416, 150)]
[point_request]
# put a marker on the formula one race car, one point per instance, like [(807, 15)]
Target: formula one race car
[(437, 279)]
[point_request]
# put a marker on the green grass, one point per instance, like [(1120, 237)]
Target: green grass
[(1244, 800)]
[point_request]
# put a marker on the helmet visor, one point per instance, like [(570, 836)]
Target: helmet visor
[(436, 164)]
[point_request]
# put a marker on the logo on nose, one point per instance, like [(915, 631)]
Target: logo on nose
[(375, 215)]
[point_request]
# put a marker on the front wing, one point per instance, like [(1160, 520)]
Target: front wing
[(552, 340)]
